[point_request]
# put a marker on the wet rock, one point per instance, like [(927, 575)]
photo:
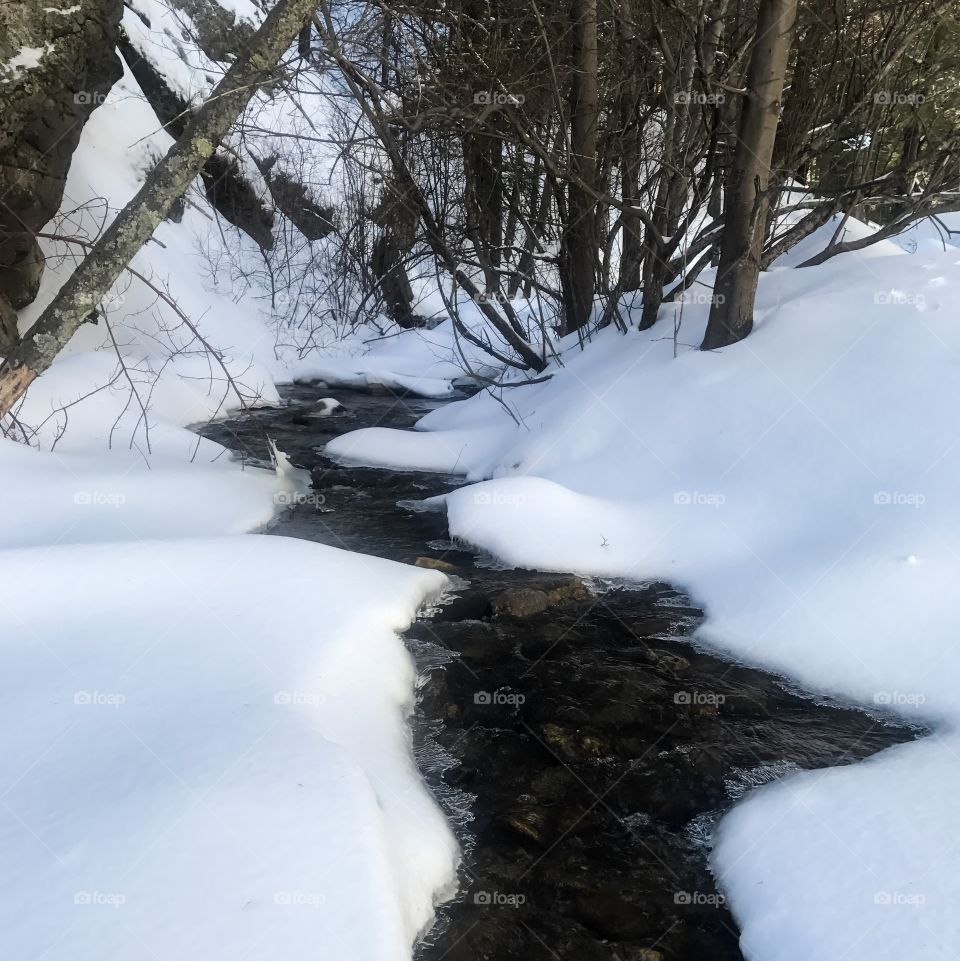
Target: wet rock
[(574, 745), (650, 626), (523, 602), (435, 697), (479, 642), (520, 603), (667, 660), (531, 822), (619, 915), (571, 590), (436, 564), (634, 952)]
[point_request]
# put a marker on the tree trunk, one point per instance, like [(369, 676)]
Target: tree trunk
[(397, 217), (164, 185), (580, 231), (735, 290), (483, 168)]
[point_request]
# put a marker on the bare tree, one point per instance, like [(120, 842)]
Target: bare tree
[(748, 197), (164, 185)]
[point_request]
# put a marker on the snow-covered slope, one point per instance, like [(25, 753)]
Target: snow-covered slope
[(803, 486), (206, 752)]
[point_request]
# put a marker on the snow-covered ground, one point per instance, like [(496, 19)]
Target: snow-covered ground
[(207, 752), (802, 485)]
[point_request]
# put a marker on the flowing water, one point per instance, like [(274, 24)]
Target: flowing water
[(580, 742)]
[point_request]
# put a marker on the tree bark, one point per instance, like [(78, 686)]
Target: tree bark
[(164, 185), (580, 231), (735, 290)]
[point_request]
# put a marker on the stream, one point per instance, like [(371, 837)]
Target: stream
[(579, 740)]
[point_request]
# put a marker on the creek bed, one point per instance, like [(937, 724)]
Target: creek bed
[(578, 739)]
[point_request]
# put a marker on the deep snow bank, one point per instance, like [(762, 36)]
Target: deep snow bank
[(207, 755), (802, 485), (206, 751)]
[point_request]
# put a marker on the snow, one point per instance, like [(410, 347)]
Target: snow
[(849, 862), (76, 497), (210, 757), (28, 58), (423, 361), (207, 751), (802, 486)]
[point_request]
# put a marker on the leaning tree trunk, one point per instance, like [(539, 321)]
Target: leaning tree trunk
[(580, 232), (164, 185), (735, 290)]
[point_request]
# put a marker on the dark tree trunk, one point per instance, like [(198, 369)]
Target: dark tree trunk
[(735, 290), (579, 253), (164, 185), (483, 163)]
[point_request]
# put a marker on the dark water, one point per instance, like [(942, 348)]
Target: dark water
[(580, 744)]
